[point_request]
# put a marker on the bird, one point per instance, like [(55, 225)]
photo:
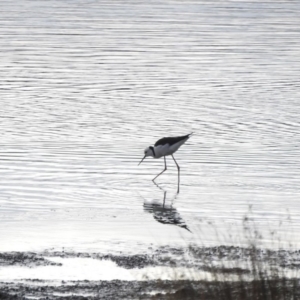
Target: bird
[(164, 147)]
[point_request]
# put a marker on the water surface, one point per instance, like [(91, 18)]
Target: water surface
[(87, 85)]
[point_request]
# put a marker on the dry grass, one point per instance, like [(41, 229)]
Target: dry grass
[(242, 273)]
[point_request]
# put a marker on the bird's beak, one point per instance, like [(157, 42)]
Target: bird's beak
[(142, 160)]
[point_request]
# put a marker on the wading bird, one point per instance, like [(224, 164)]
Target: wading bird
[(166, 146)]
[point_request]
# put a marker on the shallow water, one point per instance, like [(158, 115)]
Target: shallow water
[(87, 85), (91, 269)]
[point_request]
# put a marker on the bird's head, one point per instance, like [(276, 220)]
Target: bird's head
[(149, 151)]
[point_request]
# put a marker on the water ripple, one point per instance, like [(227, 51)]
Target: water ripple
[(86, 86)]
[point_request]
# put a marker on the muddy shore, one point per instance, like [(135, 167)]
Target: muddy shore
[(209, 260), (109, 290)]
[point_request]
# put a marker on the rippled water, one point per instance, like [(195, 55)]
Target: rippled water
[(87, 85)]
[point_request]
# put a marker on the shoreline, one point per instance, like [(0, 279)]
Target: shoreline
[(161, 273)]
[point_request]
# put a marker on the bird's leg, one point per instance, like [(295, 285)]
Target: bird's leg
[(165, 193), (178, 168), (162, 171)]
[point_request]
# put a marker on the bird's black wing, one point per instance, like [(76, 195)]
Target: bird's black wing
[(171, 140)]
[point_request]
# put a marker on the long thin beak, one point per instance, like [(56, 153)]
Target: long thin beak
[(142, 160)]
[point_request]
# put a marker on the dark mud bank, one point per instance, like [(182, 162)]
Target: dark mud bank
[(213, 260)]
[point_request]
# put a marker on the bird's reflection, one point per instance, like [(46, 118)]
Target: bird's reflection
[(164, 213)]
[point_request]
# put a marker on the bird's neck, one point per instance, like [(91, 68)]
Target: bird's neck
[(153, 151)]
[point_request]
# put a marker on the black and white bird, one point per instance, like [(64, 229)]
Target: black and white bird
[(164, 147)]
